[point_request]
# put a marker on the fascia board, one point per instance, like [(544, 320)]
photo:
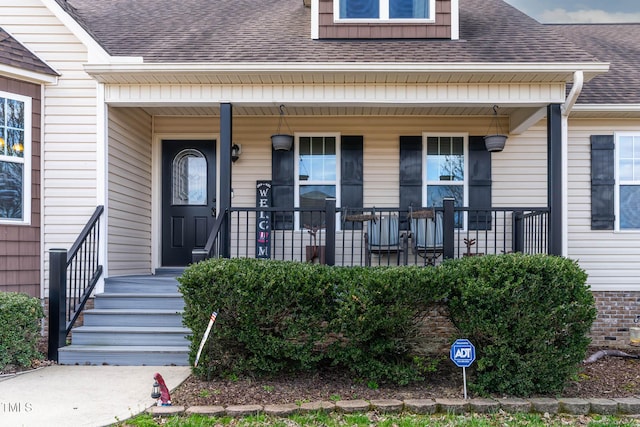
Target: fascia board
[(621, 108), (27, 76), (590, 69)]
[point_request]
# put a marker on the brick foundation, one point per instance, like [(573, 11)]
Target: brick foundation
[(436, 332), (617, 312)]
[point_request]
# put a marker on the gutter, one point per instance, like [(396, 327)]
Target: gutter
[(576, 89)]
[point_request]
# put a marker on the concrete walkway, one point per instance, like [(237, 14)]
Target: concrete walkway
[(69, 396)]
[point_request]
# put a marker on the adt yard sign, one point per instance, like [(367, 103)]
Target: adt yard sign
[(463, 353)]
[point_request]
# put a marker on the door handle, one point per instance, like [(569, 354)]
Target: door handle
[(213, 212)]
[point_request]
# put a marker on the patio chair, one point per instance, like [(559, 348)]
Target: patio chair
[(426, 234), (383, 237)]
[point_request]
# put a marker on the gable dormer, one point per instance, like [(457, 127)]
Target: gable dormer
[(385, 19)]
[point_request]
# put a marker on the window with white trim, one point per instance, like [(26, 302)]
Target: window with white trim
[(445, 165), (628, 180), (15, 159), (385, 10), (317, 175)]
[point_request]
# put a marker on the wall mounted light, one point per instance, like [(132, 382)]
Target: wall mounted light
[(236, 150)]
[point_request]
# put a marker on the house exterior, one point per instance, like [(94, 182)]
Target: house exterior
[(128, 96)]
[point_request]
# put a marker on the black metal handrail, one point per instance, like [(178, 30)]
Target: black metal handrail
[(212, 249), (73, 275)]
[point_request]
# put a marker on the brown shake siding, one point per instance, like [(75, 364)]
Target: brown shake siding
[(441, 29), (20, 244)]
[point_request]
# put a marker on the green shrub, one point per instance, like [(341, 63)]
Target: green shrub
[(528, 317), (20, 317), (277, 316)]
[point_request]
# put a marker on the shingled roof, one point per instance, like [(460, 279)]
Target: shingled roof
[(618, 44), (14, 54), (279, 31)]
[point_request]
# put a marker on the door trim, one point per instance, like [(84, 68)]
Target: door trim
[(156, 190)]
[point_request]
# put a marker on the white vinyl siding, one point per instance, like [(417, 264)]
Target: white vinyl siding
[(609, 257), (129, 194)]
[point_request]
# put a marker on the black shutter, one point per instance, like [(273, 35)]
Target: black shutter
[(602, 182), (351, 154), (282, 188), (479, 185), (410, 176)]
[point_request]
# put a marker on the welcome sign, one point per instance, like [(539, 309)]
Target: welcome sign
[(263, 220)]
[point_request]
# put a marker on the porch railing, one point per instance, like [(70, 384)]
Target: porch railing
[(73, 275), (214, 247), (379, 236)]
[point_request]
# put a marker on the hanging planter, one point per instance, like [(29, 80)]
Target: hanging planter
[(495, 142), (282, 141)]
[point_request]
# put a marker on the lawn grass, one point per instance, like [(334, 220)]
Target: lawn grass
[(333, 419)]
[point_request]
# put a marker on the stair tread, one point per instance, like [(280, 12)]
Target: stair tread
[(139, 329), (126, 348), (133, 311), (139, 294)]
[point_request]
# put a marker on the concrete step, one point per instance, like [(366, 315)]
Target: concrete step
[(133, 317), (130, 336), (124, 355), (141, 284), (165, 301)]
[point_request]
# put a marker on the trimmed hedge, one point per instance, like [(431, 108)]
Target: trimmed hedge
[(277, 316), (20, 317), (528, 317)]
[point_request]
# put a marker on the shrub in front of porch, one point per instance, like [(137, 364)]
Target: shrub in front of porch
[(282, 316), (20, 317), (528, 317)]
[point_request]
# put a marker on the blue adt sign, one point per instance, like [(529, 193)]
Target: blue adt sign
[(463, 353)]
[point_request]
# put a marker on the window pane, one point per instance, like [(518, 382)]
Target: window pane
[(11, 191), (359, 9), (3, 142), (408, 9), (2, 109), (313, 197), (626, 170), (626, 147), (189, 178), (436, 194), (305, 145), (15, 114), (630, 207), (320, 165), (432, 145), (458, 146), (445, 159), (15, 142)]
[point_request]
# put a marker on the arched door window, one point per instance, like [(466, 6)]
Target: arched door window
[(189, 178)]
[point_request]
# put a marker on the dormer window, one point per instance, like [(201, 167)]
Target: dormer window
[(384, 10)]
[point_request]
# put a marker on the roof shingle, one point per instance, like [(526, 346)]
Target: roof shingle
[(14, 54), (618, 44), (279, 31)]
